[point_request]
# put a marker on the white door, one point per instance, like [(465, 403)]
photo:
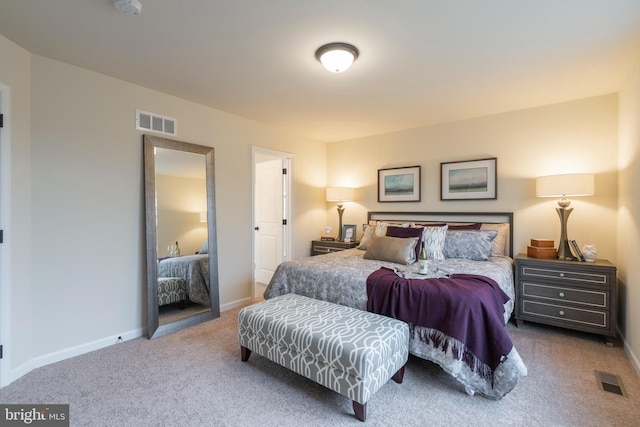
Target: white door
[(268, 218)]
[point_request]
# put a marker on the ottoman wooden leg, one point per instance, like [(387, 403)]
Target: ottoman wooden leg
[(244, 353), (398, 376), (360, 409)]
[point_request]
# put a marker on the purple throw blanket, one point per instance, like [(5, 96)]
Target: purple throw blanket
[(466, 307)]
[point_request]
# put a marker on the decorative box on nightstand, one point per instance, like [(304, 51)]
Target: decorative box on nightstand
[(319, 247), (569, 294)]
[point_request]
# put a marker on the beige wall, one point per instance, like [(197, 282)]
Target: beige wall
[(180, 201), (77, 240), (629, 214), (577, 136)]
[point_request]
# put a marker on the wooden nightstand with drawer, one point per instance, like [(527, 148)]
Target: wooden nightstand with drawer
[(569, 294), (319, 247)]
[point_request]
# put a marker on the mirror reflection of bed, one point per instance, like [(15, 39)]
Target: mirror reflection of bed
[(181, 193), (182, 276), (183, 286)]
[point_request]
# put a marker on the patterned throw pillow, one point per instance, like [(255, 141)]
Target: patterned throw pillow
[(474, 245), (369, 232), (433, 238), (500, 242)]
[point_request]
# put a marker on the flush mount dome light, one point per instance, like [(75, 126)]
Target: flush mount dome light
[(337, 57), (129, 7)]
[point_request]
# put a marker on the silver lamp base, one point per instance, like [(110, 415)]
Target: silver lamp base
[(564, 250), (340, 212)]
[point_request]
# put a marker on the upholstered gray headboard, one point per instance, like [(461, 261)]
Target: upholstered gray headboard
[(449, 217)]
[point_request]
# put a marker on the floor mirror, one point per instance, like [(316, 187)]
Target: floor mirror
[(181, 241)]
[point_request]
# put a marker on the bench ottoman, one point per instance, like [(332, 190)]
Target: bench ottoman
[(350, 351), (171, 289)]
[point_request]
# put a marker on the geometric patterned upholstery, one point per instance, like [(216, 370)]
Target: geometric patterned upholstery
[(350, 351), (171, 289)]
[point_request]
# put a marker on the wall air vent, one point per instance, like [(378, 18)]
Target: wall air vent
[(156, 123)]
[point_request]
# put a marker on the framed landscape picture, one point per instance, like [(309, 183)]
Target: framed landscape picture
[(468, 180), (399, 184)]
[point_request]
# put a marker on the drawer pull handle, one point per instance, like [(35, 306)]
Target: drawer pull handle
[(561, 313), (561, 294), (561, 274)]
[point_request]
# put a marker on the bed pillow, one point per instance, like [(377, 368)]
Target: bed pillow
[(379, 229), (393, 249), (369, 232), (500, 242), (469, 244), (433, 238), (204, 248), (474, 226), (406, 232), (471, 226)]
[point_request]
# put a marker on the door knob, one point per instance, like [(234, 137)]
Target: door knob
[(256, 228)]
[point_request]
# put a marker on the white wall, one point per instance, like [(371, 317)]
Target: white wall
[(629, 214), (577, 136), (78, 203)]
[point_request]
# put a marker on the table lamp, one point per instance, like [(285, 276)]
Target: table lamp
[(580, 184), (340, 195)]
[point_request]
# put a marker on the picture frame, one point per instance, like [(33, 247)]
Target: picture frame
[(399, 184), (349, 233), (469, 180)]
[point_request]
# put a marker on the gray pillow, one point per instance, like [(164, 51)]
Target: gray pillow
[(393, 249), (204, 249), (474, 245)]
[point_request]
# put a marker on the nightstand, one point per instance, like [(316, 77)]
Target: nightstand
[(569, 294), (319, 247)]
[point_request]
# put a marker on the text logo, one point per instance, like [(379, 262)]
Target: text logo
[(34, 415)]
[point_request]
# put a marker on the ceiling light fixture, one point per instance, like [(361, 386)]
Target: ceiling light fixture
[(129, 7), (337, 57)]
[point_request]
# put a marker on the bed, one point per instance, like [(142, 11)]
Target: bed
[(477, 247), (194, 270)]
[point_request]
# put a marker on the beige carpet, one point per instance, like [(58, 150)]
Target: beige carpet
[(195, 378)]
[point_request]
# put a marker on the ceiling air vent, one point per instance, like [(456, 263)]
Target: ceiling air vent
[(156, 123)]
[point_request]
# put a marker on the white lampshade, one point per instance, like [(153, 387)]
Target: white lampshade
[(203, 216), (337, 57), (339, 194), (578, 184)]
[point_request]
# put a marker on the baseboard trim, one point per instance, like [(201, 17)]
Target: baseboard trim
[(635, 362), (67, 353), (78, 350), (235, 304)]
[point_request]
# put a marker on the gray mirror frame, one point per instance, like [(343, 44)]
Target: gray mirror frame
[(154, 329)]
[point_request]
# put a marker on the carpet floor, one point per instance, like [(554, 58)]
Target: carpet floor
[(195, 378)]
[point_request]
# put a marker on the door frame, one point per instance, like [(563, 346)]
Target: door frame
[(5, 205), (287, 210)]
